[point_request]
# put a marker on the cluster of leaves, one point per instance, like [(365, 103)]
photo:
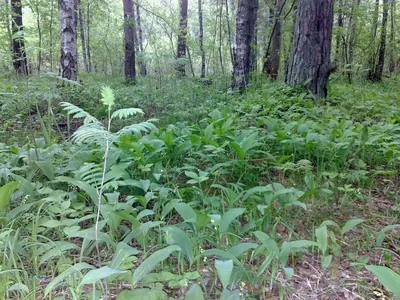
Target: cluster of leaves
[(203, 200)]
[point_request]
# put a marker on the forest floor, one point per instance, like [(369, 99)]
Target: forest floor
[(336, 160)]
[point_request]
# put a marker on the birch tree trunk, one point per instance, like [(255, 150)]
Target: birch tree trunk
[(245, 25), (142, 65), (68, 60), (309, 62), (19, 54), (82, 34), (129, 33)]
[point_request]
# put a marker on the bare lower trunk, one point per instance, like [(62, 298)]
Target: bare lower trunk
[(142, 64), (309, 62), (201, 40), (182, 37), (89, 53), (392, 34), (245, 25), (129, 33), (82, 34), (372, 58), (353, 37), (19, 54), (339, 35), (377, 74), (271, 66), (68, 60)]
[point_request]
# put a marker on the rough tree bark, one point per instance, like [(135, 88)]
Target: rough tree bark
[(142, 65), (82, 34), (245, 25), (201, 40), (271, 66), (339, 35), (88, 48), (68, 59), (19, 54), (392, 34), (309, 62), (182, 37), (376, 75), (372, 58), (353, 37), (129, 33)]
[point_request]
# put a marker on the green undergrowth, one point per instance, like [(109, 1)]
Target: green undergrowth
[(202, 193)]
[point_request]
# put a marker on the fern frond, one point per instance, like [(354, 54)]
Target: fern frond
[(78, 113), (138, 128), (126, 112), (107, 96), (90, 173), (91, 133)]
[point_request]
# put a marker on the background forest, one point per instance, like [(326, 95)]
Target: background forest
[(199, 149)]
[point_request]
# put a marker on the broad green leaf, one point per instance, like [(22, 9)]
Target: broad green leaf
[(195, 293), (143, 294), (268, 242), (149, 263), (241, 248), (122, 252), (240, 152), (6, 191), (18, 287), (186, 212), (224, 269), (351, 224), (57, 249), (182, 240), (257, 189), (64, 275), (326, 261), (382, 233), (387, 277), (288, 247), (322, 238), (47, 168), (289, 273), (95, 275), (228, 218)]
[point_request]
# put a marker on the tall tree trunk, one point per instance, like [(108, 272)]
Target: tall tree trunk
[(201, 40), (353, 37), (51, 34), (82, 35), (309, 61), (19, 54), (89, 53), (220, 38), (229, 32), (271, 66), (392, 33), (68, 59), (143, 69), (182, 37), (339, 35), (245, 25), (377, 74), (372, 58), (129, 33)]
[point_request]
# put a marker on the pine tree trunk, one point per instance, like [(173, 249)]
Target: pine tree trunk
[(68, 60), (201, 40), (377, 74), (143, 69), (129, 33), (392, 34), (19, 54), (245, 25), (309, 62), (89, 53), (182, 38), (271, 66)]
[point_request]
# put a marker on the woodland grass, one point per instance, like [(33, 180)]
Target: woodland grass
[(342, 152)]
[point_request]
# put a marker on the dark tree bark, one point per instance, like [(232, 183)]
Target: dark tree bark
[(201, 40), (142, 64), (376, 75), (68, 60), (309, 62), (245, 24), (19, 54), (392, 33), (271, 66), (182, 37), (82, 35), (129, 33)]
